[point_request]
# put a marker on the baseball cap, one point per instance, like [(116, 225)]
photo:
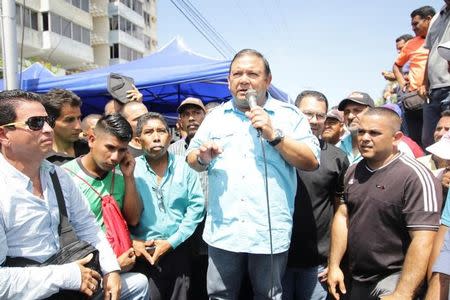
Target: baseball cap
[(118, 85), (191, 101), (357, 97), (442, 147), (444, 50), (393, 107), (335, 114)]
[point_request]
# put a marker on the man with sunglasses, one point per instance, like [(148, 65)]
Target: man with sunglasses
[(173, 206), (65, 107), (29, 210)]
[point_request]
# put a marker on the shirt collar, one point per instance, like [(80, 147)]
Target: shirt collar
[(170, 164), (269, 105), (21, 180)]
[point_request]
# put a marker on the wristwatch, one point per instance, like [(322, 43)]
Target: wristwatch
[(279, 135), (200, 162)]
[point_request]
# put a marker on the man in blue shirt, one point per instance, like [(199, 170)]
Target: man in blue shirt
[(227, 145), (354, 106), (173, 205)]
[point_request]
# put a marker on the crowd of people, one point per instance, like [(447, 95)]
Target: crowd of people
[(255, 198)]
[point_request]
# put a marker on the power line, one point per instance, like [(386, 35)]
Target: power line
[(204, 27)]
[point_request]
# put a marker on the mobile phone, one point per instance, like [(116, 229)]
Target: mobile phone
[(150, 249)]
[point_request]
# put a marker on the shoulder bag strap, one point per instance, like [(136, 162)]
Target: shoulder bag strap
[(67, 235)]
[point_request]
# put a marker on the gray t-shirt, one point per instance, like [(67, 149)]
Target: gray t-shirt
[(438, 33)]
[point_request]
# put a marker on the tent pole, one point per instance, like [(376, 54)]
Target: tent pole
[(8, 20)]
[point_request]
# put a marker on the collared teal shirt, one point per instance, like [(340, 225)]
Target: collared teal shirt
[(346, 146), (172, 209), (237, 212)]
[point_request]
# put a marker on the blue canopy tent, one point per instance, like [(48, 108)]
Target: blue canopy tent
[(165, 78), (31, 77)]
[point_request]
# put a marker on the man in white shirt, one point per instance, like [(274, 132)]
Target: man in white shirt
[(29, 215)]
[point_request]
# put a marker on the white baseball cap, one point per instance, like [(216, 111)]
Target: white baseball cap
[(441, 148)]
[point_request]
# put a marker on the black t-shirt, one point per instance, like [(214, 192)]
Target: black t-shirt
[(314, 207), (383, 206), (81, 147)]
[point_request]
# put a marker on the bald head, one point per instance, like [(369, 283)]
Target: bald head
[(132, 111), (89, 123), (391, 118)]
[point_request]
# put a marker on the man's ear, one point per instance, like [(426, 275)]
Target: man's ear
[(91, 139), (4, 140), (397, 137)]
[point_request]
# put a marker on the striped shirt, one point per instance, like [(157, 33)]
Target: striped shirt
[(383, 206)]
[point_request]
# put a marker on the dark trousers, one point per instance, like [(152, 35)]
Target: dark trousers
[(414, 121), (439, 101), (170, 277)]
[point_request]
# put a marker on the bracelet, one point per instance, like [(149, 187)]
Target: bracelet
[(201, 163)]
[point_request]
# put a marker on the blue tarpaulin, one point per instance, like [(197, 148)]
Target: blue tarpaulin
[(165, 78)]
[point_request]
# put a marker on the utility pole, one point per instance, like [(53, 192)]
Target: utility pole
[(9, 43)]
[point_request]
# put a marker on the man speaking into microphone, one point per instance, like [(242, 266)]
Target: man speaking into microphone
[(227, 145)]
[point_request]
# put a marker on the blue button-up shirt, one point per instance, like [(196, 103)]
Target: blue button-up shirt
[(29, 228), (174, 207), (237, 213)]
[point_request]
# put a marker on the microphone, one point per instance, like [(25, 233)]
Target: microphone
[(250, 96)]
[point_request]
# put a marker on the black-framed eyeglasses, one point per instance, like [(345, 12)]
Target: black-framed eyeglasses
[(160, 197), (34, 123), (310, 115)]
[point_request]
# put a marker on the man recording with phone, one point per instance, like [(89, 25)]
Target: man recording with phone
[(227, 146)]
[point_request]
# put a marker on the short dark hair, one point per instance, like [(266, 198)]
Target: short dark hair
[(115, 125), (150, 116), (244, 52), (394, 119), (423, 12), (310, 93), (10, 100), (445, 113), (56, 98), (404, 37)]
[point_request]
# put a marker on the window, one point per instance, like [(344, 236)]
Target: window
[(123, 52), (55, 23), (114, 51), (86, 36), (76, 33), (27, 17), (66, 28), (147, 18), (135, 5), (114, 23), (45, 21), (85, 5), (147, 42), (126, 26)]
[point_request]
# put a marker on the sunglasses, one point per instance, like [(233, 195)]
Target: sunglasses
[(34, 123)]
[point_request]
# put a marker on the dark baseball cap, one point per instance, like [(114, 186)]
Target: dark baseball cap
[(357, 97)]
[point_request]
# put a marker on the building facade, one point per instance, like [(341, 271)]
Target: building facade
[(80, 35)]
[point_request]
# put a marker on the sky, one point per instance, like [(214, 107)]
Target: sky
[(333, 46)]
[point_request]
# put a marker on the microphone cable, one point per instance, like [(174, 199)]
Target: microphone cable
[(266, 187)]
